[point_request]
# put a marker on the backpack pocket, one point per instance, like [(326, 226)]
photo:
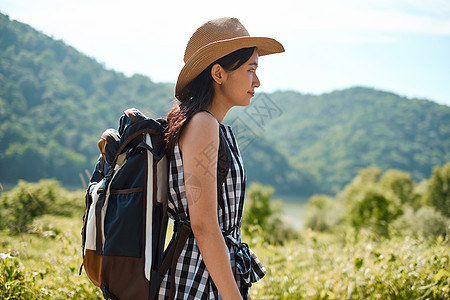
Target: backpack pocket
[(93, 266), (123, 225)]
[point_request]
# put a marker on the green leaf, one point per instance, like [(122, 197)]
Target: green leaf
[(440, 274), (359, 261)]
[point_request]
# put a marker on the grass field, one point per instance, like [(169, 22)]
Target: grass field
[(44, 264)]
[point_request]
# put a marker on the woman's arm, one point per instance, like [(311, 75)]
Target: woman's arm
[(199, 144)]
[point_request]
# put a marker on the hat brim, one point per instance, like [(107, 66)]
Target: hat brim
[(208, 54)]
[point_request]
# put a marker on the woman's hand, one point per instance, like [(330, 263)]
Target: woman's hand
[(199, 144)]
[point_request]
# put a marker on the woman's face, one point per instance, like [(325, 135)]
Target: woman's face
[(239, 85)]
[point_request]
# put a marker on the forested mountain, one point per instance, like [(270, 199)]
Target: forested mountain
[(334, 135), (55, 102)]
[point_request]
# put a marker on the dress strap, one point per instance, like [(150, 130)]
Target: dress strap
[(208, 112), (211, 115)]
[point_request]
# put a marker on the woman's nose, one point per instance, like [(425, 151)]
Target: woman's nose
[(256, 82)]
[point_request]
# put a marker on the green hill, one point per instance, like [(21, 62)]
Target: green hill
[(55, 102), (334, 135)]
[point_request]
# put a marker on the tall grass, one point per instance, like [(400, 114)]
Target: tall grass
[(44, 264), (46, 261), (320, 266), (42, 261)]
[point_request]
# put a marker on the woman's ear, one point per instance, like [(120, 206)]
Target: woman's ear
[(217, 73)]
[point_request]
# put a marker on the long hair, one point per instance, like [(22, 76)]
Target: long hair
[(197, 96)]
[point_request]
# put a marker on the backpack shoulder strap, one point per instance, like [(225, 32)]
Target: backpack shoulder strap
[(223, 165)]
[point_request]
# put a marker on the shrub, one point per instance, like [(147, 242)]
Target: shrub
[(399, 183), (322, 213), (438, 190), (26, 201), (262, 220), (372, 209), (258, 210), (426, 222)]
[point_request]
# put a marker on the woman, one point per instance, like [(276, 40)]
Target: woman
[(219, 73)]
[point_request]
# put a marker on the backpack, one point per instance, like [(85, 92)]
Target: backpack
[(125, 221)]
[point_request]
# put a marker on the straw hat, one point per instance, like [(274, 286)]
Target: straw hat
[(214, 40)]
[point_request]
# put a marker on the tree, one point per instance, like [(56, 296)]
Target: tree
[(322, 213), (368, 204), (373, 209), (438, 190), (258, 209), (262, 221), (369, 176), (400, 184)]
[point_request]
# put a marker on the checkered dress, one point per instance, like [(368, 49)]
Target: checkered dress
[(192, 280)]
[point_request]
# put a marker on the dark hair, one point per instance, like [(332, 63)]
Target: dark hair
[(197, 95)]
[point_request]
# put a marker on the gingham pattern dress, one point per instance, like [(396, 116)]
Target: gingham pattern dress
[(192, 280)]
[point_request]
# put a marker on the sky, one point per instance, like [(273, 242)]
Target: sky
[(400, 46)]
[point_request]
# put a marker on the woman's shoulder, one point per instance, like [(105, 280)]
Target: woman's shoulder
[(203, 122), (204, 118), (202, 128)]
